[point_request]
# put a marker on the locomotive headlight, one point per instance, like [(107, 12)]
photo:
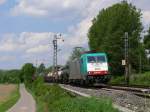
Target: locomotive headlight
[(105, 72)]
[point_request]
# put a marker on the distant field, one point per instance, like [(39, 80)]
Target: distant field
[(5, 92), (9, 94)]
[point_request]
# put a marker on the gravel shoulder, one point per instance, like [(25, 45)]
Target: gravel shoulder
[(121, 98), (25, 104)]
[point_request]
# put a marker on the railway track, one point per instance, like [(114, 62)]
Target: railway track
[(132, 98), (137, 90), (140, 90)]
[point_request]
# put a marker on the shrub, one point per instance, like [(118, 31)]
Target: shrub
[(10, 76), (81, 104), (52, 98), (136, 79), (141, 79), (117, 80)]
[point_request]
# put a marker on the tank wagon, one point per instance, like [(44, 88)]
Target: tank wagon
[(88, 69)]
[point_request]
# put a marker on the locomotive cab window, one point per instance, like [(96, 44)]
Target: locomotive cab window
[(96, 59), (91, 59), (101, 59)]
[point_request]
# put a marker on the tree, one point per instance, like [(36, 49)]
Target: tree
[(76, 53), (147, 40), (107, 32), (9, 76), (49, 69), (27, 72), (41, 68), (147, 44)]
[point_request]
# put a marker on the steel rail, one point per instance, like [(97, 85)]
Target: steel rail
[(140, 91)]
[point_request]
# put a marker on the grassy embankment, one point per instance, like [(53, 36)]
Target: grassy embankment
[(52, 98), (135, 79), (9, 95)]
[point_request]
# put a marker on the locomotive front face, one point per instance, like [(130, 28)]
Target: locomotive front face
[(97, 64)]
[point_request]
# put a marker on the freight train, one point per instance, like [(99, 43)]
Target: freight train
[(90, 68)]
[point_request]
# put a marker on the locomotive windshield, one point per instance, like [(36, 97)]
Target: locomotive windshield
[(96, 59), (91, 59), (101, 59)]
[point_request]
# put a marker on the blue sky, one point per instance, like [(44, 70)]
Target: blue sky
[(27, 27)]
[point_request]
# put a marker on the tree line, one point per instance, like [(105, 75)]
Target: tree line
[(25, 74)]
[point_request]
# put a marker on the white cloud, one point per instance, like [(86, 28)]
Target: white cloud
[(39, 49), (7, 47), (25, 41), (48, 7), (24, 8), (38, 43), (2, 2), (80, 31), (7, 58), (34, 44), (26, 47), (7, 43), (34, 38), (146, 17)]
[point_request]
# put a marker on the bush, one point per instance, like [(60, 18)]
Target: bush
[(38, 87), (117, 80), (141, 79), (52, 98), (81, 104), (10, 76), (135, 79)]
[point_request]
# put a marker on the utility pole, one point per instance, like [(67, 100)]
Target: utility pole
[(55, 71), (36, 65), (127, 78), (140, 64)]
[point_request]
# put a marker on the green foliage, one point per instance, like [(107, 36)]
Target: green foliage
[(38, 87), (11, 101), (82, 105), (76, 53), (52, 98), (147, 44), (147, 40), (141, 79), (107, 32), (136, 79), (27, 73), (9, 76), (118, 80), (41, 69)]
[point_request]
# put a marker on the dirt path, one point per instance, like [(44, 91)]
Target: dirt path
[(26, 102)]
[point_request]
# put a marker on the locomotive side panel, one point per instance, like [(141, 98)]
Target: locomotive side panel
[(74, 68)]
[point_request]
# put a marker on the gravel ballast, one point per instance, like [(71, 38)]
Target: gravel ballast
[(119, 97)]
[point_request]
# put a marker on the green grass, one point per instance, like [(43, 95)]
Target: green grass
[(13, 98), (141, 79), (117, 80), (52, 98), (135, 79), (82, 105)]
